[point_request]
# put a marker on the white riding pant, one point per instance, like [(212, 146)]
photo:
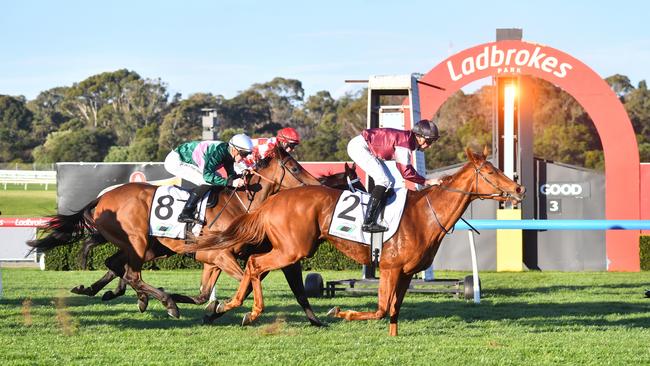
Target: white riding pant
[(189, 172), (360, 153)]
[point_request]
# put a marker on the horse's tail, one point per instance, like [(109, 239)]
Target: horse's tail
[(66, 229), (245, 229)]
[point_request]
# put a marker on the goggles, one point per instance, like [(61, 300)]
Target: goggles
[(429, 140), (290, 145), (243, 153)]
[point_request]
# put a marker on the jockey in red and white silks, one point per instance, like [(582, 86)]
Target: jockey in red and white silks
[(376, 145), (287, 138)]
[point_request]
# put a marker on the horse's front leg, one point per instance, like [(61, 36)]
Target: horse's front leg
[(388, 285), (396, 304), (293, 275)]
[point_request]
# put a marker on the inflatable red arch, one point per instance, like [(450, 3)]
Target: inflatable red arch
[(590, 90)]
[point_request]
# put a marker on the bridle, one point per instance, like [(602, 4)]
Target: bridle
[(283, 164), (351, 183), (477, 173)]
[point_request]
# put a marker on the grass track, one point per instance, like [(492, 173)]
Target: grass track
[(33, 202), (525, 318)]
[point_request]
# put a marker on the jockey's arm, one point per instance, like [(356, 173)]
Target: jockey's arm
[(406, 169), (214, 158)]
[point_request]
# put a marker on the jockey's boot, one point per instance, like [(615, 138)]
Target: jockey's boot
[(375, 206), (188, 213)]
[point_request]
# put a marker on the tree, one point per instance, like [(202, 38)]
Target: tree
[(620, 84), (352, 111), (183, 122), (75, 145), (283, 96), (249, 110), (48, 114), (16, 141)]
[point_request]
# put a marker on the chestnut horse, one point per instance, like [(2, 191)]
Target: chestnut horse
[(429, 214), (347, 179), (121, 216)]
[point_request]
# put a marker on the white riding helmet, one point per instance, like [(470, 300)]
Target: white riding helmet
[(241, 142)]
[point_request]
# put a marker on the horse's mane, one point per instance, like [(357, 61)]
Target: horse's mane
[(329, 174), (445, 179), (276, 152)]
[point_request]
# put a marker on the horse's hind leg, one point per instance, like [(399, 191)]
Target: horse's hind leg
[(293, 274), (209, 277), (93, 289), (115, 264), (134, 278), (389, 281)]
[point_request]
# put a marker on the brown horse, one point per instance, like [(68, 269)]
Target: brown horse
[(429, 214), (121, 216), (347, 179)]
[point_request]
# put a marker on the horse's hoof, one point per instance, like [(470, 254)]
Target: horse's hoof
[(143, 303), (79, 290), (212, 307), (207, 319), (174, 313), (221, 308), (247, 320), (317, 323), (334, 312), (108, 295)]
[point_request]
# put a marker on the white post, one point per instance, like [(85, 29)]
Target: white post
[(427, 274), (472, 249), (0, 280), (509, 131)]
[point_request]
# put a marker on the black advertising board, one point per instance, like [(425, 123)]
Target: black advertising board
[(80, 183)]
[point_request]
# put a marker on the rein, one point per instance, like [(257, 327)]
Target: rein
[(222, 209), (282, 164)]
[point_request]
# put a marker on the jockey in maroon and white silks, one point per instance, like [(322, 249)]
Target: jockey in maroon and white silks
[(376, 145)]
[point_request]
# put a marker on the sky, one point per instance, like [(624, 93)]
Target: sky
[(223, 47)]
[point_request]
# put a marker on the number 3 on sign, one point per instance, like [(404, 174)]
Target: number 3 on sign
[(555, 206)]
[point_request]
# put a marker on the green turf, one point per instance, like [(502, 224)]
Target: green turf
[(525, 318), (33, 202)]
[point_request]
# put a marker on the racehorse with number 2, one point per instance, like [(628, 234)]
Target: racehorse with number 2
[(429, 214)]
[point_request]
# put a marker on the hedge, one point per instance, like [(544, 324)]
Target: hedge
[(66, 258), (644, 252)]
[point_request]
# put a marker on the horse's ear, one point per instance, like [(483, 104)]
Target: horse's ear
[(486, 151), (470, 154)]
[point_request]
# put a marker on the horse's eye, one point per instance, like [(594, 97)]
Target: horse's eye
[(295, 169)]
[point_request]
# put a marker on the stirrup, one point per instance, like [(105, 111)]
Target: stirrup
[(186, 218), (373, 228)]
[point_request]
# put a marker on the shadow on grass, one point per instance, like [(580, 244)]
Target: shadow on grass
[(541, 316)]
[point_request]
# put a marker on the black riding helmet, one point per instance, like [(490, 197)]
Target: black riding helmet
[(426, 129)]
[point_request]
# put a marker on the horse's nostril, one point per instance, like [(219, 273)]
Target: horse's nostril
[(518, 190)]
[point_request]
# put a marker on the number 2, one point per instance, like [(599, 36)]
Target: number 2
[(344, 214)]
